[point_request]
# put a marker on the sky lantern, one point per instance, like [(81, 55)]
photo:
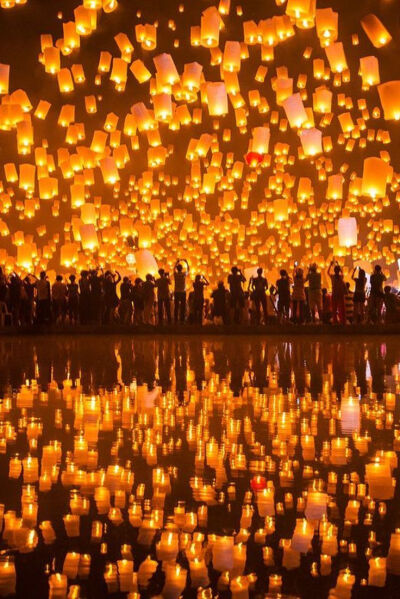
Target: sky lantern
[(336, 57), (295, 111), (326, 21), (232, 56), (166, 69), (376, 32), (347, 231), (389, 94), (369, 71), (210, 27), (145, 263), (376, 175), (88, 235), (311, 141), (217, 98)]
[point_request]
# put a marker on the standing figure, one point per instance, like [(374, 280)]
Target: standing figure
[(163, 299), (180, 275)]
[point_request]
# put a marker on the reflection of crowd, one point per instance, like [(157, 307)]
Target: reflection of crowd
[(178, 363), (105, 298)]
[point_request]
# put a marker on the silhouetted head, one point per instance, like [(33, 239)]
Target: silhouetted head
[(337, 269), (361, 274), (138, 281), (59, 278), (197, 278), (72, 278), (126, 279), (161, 272), (234, 270), (149, 277), (387, 289), (179, 267), (221, 285), (378, 268), (283, 273), (313, 267), (43, 275), (259, 271)]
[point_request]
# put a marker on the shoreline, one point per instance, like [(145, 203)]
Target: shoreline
[(194, 330)]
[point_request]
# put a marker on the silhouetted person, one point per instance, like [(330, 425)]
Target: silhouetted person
[(338, 293), (15, 295), (392, 306), (149, 297), (235, 282), (258, 287), (376, 294), (27, 301), (163, 300), (43, 299), (314, 292), (85, 297), (298, 296), (59, 299), (283, 289), (110, 295), (97, 297), (359, 294), (180, 276), (73, 300), (220, 304), (125, 305), (138, 301), (198, 298)]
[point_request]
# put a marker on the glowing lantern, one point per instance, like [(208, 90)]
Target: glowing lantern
[(109, 170), (389, 94), (4, 78), (281, 210), (295, 110), (65, 82), (217, 98), (327, 25), (369, 70), (24, 256), (209, 29), (336, 57), (311, 141), (376, 175), (88, 214), (322, 100), (231, 60), (347, 231), (119, 71), (140, 71), (162, 107), (253, 159), (145, 263), (166, 69), (88, 237), (376, 32), (260, 140), (283, 89), (144, 235), (109, 5)]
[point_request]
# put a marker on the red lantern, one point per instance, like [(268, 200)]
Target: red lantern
[(258, 483), (253, 159)]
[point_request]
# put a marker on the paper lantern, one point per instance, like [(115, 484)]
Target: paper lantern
[(322, 100), (347, 231), (311, 141), (295, 110), (140, 71), (231, 59), (209, 28), (109, 170), (145, 263), (166, 69), (389, 94), (376, 175), (162, 107), (260, 140), (369, 70), (376, 32), (217, 98), (336, 57), (281, 210), (88, 236), (326, 21)]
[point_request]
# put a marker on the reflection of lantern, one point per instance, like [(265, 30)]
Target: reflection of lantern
[(217, 98), (145, 263), (376, 32), (376, 174), (389, 94), (350, 415), (347, 231)]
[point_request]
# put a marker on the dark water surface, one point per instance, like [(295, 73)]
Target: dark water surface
[(166, 426)]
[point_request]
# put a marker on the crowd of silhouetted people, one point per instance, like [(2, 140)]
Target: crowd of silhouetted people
[(100, 297)]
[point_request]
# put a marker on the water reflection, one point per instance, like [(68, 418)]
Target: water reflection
[(275, 460), (176, 363)]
